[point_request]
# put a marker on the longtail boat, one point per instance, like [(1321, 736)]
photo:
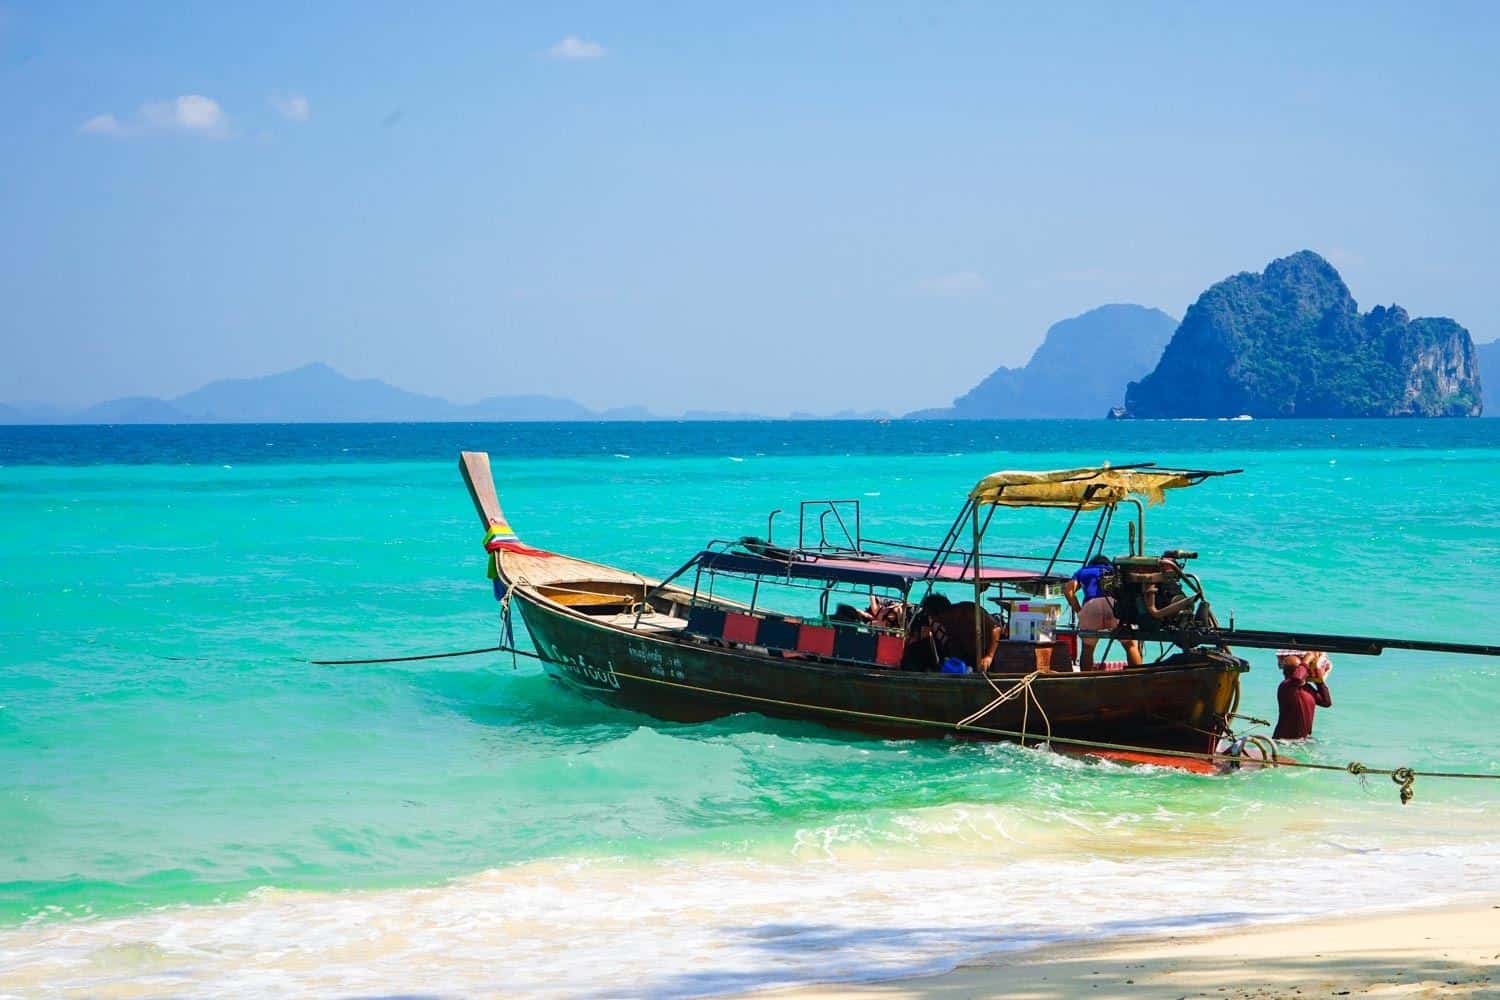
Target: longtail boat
[(684, 648)]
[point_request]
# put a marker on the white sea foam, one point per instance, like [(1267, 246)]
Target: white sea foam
[(841, 910)]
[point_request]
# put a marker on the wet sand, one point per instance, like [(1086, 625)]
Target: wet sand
[(1453, 951)]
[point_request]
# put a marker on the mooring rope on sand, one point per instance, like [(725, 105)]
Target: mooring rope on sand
[(1403, 776)]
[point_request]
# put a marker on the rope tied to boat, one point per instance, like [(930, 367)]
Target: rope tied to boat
[(407, 659), (1021, 687), (1248, 718), (507, 627), (1404, 776)]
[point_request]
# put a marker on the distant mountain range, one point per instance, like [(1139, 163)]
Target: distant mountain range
[(1080, 370), (1286, 342), (317, 394)]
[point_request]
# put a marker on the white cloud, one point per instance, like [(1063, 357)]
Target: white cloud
[(576, 48), (957, 283), (104, 125), (191, 113), (292, 106)]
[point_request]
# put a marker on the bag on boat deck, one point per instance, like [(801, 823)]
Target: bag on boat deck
[(953, 665)]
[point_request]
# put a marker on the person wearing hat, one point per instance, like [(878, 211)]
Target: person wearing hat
[(1302, 692)]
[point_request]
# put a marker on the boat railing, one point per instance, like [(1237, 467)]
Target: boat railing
[(664, 582), (745, 624), (843, 513), (792, 635), (964, 553), (824, 589)]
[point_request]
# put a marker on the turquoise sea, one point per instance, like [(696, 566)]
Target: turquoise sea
[(187, 807)]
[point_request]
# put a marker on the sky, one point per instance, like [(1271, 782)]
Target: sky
[(755, 206)]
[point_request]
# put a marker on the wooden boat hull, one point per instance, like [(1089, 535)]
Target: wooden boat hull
[(1180, 706), (624, 640)]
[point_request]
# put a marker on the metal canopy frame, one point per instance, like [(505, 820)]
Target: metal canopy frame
[(801, 568), (1097, 539), (826, 508)]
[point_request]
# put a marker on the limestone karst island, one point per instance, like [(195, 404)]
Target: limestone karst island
[(1291, 342)]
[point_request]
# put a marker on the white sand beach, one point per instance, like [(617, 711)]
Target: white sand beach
[(1448, 952)]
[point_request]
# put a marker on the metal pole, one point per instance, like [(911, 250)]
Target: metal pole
[(978, 589), (1140, 520), (840, 519), (940, 556), (1066, 532)]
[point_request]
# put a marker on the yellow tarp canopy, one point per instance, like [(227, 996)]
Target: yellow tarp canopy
[(1092, 488)]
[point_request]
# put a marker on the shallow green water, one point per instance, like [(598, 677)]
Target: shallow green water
[(163, 741)]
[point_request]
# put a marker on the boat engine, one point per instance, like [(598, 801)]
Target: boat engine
[(1154, 593)]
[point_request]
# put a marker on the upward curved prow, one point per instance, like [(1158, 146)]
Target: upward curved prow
[(475, 466)]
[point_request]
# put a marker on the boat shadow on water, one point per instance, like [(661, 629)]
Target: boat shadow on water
[(799, 776), (499, 695)]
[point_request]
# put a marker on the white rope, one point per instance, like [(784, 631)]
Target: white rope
[(1019, 689), (507, 629)]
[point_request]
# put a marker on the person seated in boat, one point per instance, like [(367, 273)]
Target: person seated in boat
[(1096, 612), (881, 613), (849, 613), (921, 651), (942, 630), (1303, 691), (886, 613)]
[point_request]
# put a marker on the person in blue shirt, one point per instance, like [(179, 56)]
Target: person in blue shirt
[(1096, 612)]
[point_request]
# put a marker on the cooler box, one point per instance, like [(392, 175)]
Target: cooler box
[(1031, 622)]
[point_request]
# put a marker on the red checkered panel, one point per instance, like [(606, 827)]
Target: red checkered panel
[(888, 650), (815, 639), (740, 628)]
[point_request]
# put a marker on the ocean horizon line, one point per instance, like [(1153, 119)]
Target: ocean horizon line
[(745, 420)]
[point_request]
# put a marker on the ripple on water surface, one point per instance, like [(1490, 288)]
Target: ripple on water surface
[(413, 827)]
